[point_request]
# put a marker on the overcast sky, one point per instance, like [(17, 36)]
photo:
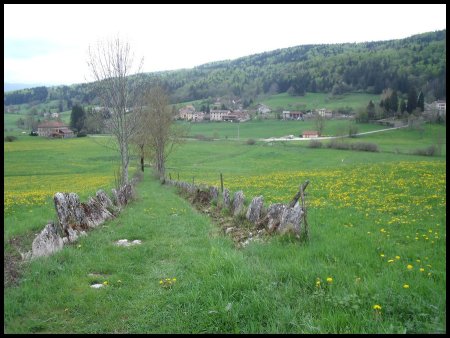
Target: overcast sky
[(47, 44)]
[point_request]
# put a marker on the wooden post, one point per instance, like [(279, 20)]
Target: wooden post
[(299, 193), (221, 182)]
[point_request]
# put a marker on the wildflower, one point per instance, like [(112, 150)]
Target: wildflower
[(390, 261), (377, 307), (330, 280), (409, 267), (160, 282), (405, 286), (382, 255), (397, 257), (105, 282), (421, 269)]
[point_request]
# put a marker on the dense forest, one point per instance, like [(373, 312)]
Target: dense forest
[(416, 63)]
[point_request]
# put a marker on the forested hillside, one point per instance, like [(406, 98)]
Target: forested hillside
[(417, 62)]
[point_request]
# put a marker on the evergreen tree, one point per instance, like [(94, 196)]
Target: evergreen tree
[(371, 110), (77, 117), (412, 100), (393, 106)]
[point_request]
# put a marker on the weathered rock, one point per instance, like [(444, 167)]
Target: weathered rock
[(70, 212), (274, 213), (238, 202), (47, 242), (125, 242), (95, 212), (291, 219), (214, 192), (254, 210), (226, 198), (72, 235), (104, 199)]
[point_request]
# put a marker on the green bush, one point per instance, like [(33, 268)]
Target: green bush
[(10, 138)]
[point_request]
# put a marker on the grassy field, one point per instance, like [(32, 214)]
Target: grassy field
[(36, 168), (320, 100), (375, 261), (270, 128)]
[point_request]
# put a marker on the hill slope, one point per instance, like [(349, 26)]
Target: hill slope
[(416, 62)]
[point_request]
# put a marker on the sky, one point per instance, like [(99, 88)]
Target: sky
[(48, 44)]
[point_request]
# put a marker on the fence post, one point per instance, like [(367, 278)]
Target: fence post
[(221, 182)]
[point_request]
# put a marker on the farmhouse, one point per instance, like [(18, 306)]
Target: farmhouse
[(292, 115), (54, 129), (310, 134), (217, 115), (187, 113)]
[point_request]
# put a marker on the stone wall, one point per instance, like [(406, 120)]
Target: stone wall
[(75, 218), (277, 218)]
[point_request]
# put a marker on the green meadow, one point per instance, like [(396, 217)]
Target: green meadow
[(320, 100), (375, 261)]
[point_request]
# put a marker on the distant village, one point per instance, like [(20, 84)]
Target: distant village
[(53, 127)]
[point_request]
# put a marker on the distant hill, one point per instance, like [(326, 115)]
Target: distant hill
[(9, 87), (415, 63)]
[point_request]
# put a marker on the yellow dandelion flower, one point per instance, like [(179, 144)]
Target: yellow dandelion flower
[(405, 286), (421, 269), (390, 261), (377, 307), (409, 267), (160, 282), (397, 257), (330, 280), (381, 255), (105, 282)]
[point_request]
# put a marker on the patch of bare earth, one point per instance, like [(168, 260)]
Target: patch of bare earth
[(13, 260)]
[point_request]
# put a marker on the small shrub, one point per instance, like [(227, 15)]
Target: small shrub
[(315, 144), (335, 144), (365, 146), (250, 141), (10, 138), (429, 151)]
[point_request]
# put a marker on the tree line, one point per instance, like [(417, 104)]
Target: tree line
[(417, 62)]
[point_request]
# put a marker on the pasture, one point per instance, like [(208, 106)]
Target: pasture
[(375, 261)]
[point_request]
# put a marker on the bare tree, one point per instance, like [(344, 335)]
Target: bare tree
[(111, 64), (319, 123), (158, 133)]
